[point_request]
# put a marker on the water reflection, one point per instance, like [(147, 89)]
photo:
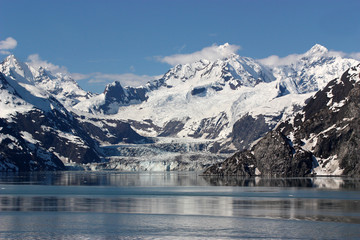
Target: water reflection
[(111, 205), (300, 209), (81, 178), (182, 194), (310, 182)]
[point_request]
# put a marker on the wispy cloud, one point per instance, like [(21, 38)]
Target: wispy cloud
[(7, 44), (210, 53), (353, 55), (35, 61), (275, 60), (181, 48), (96, 78), (126, 79)]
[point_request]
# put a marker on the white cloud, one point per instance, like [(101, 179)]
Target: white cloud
[(210, 53), (293, 58), (35, 61), (7, 44), (126, 79), (96, 78), (274, 60), (355, 55), (79, 76)]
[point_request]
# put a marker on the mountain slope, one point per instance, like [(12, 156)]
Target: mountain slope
[(17, 152), (33, 119), (322, 139), (329, 126), (38, 133)]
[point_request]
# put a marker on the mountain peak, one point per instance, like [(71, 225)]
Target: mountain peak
[(10, 60), (12, 66), (114, 86), (317, 49), (227, 50), (225, 45)]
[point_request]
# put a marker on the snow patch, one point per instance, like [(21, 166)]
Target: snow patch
[(28, 137), (329, 166)]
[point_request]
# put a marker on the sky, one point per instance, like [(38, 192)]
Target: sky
[(133, 41)]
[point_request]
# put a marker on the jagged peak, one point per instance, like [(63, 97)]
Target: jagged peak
[(11, 65), (317, 49), (11, 60), (10, 56), (112, 86)]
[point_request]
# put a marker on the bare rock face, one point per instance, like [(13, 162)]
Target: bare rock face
[(241, 163), (247, 129), (18, 154), (57, 134), (273, 156), (276, 156), (116, 95)]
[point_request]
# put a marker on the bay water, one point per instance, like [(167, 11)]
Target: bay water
[(176, 205)]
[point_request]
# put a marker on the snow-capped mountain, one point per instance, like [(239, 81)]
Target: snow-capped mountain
[(222, 105), (311, 71), (37, 132), (60, 85), (322, 139), (220, 100)]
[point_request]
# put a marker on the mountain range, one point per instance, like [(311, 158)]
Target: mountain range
[(195, 115)]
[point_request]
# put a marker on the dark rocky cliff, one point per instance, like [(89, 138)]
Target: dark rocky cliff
[(273, 155)]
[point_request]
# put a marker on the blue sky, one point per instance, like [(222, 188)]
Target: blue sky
[(105, 40)]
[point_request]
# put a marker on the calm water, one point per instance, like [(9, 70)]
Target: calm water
[(113, 205)]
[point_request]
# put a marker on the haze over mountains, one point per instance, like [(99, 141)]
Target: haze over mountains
[(194, 111)]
